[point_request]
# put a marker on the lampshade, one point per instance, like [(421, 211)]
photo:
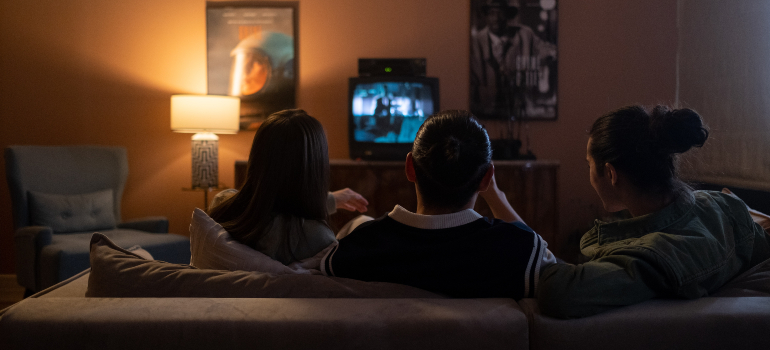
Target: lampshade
[(205, 113)]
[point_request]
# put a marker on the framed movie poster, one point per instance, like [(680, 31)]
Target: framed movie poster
[(252, 54), (513, 59)]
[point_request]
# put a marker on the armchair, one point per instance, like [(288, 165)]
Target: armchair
[(60, 196)]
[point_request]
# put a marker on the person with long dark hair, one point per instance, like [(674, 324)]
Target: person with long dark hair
[(283, 208), (445, 246), (679, 242)]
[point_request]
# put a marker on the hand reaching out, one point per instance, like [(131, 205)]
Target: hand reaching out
[(350, 200)]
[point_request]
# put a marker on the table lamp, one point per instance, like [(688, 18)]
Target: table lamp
[(206, 116)]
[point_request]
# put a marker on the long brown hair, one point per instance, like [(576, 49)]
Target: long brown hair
[(287, 175)]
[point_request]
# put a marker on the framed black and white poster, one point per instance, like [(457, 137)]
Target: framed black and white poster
[(513, 59), (252, 54)]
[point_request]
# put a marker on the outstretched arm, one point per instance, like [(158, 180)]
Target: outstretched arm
[(349, 200), (498, 203), (573, 291)]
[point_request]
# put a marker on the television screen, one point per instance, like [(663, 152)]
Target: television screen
[(390, 111)]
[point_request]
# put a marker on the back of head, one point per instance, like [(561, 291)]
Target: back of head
[(451, 155), (644, 144), (287, 174)]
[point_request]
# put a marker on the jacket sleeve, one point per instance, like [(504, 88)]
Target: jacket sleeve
[(572, 291)]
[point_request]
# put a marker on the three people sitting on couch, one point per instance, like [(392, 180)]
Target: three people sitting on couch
[(679, 242)]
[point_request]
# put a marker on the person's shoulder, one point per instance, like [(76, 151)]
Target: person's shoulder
[(726, 202), (515, 231), (516, 226), (378, 224)]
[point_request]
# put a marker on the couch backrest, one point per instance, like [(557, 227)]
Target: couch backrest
[(63, 170)]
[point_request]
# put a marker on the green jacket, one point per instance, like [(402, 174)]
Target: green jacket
[(688, 249)]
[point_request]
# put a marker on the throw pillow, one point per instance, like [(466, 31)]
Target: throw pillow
[(73, 213), (212, 247), (141, 252), (118, 273)]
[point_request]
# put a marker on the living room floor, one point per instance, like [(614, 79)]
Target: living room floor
[(10, 291)]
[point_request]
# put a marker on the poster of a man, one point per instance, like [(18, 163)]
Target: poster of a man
[(513, 59)]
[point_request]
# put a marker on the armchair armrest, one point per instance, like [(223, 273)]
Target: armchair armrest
[(27, 243), (152, 224)]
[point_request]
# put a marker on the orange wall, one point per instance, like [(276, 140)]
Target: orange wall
[(101, 72)]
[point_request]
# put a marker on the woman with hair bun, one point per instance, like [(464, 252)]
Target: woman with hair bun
[(679, 243)]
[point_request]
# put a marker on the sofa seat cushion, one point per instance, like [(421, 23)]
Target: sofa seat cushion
[(753, 283), (68, 254), (705, 323), (117, 273), (208, 323)]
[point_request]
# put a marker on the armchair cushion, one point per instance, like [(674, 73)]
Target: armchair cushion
[(152, 224), (68, 254), (74, 212)]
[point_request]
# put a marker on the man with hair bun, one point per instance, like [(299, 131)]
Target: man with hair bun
[(446, 247), (679, 242)]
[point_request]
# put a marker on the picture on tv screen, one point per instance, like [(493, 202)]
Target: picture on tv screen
[(390, 112)]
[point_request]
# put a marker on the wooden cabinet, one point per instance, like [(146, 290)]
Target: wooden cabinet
[(530, 187)]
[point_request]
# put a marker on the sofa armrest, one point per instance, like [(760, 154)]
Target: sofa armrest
[(27, 242), (152, 224)]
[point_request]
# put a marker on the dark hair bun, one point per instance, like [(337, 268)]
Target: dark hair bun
[(452, 149), (678, 130)]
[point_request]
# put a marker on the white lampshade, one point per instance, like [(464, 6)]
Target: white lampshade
[(205, 113)]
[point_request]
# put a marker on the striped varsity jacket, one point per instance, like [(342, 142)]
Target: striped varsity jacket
[(462, 255)]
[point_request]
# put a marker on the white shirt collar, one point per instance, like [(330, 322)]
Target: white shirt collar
[(433, 222)]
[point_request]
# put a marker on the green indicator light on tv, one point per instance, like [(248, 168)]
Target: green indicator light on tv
[(388, 69)]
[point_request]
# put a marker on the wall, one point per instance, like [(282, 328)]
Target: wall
[(728, 86), (101, 72)]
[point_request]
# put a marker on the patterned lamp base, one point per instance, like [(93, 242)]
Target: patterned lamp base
[(205, 168)]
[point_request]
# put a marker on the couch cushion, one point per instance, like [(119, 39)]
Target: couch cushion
[(74, 212), (753, 283), (212, 247), (68, 254), (117, 273), (238, 323), (705, 323)]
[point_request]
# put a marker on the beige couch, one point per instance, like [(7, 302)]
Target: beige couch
[(320, 312)]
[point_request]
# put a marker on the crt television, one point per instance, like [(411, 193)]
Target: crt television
[(385, 113)]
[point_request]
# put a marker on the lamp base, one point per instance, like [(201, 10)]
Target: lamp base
[(205, 160)]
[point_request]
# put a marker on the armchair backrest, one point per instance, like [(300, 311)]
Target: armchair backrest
[(63, 170)]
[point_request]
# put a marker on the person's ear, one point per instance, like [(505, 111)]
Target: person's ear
[(611, 173), (409, 166), (487, 179)]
